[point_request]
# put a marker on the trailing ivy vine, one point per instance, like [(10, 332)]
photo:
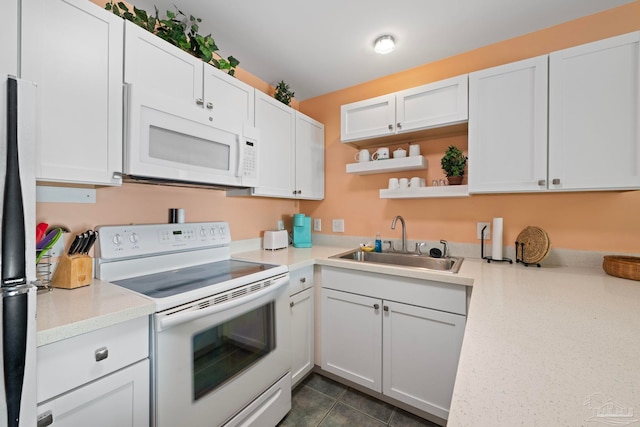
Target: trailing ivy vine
[(179, 31)]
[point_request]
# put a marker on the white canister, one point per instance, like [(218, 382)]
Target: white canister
[(362, 156), (414, 150), (404, 183), (400, 152), (414, 182), (394, 184)]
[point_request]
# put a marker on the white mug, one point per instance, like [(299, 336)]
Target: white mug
[(423, 182), (381, 153), (414, 182), (400, 152), (394, 184), (414, 150), (404, 183), (362, 156)]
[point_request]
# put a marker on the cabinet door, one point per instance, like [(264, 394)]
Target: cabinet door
[(229, 101), (276, 170), (302, 336), (73, 50), (594, 114), (368, 119), (352, 337), (309, 158), (120, 399), (158, 65), (421, 353), (432, 105), (508, 127), (9, 37)]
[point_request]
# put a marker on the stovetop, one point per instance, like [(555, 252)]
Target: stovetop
[(178, 281)]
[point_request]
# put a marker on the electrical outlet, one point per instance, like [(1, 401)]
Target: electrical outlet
[(317, 224), (281, 225), (337, 225), (487, 231)]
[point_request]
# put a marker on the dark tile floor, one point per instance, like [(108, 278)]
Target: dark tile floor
[(319, 401)]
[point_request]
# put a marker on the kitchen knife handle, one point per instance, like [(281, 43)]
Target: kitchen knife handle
[(74, 245)]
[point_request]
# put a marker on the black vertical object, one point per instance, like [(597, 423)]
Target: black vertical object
[(14, 305)]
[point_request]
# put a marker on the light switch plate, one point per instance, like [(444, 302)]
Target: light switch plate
[(317, 224), (337, 225), (280, 225)]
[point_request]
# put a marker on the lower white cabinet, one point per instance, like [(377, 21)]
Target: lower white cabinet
[(301, 305), (100, 378), (397, 336), (120, 399)]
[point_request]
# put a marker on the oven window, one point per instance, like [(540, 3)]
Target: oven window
[(224, 351)]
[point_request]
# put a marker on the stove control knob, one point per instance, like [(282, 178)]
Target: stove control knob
[(222, 230), (117, 239), (203, 232), (213, 232), (134, 238)]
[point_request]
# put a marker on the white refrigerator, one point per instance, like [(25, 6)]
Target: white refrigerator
[(17, 264)]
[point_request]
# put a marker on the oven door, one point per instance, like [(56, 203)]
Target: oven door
[(214, 357), (171, 140)]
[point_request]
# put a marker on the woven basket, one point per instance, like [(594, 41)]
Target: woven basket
[(627, 267)]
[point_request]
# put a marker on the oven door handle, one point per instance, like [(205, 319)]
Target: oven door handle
[(166, 321)]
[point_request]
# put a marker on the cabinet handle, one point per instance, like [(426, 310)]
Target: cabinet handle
[(386, 308), (102, 353), (542, 182), (303, 280), (399, 125), (376, 306), (555, 181), (291, 304), (210, 105), (45, 419), (200, 101), (390, 127)]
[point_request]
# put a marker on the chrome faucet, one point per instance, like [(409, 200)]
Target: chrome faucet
[(404, 231)]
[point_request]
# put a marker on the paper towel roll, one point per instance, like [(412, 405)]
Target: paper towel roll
[(496, 240)]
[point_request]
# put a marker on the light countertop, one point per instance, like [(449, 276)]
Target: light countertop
[(550, 346), (64, 313)]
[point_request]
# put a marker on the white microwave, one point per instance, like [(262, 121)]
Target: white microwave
[(171, 141)]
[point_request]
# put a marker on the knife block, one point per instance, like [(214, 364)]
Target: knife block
[(73, 272)]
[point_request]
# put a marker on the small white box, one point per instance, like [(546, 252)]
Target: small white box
[(275, 239)]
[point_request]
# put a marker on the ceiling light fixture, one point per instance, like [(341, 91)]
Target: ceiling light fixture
[(384, 44)]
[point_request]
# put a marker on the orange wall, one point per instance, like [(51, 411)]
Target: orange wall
[(605, 221)]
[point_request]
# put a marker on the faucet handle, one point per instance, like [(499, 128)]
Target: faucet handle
[(420, 246), (445, 252)]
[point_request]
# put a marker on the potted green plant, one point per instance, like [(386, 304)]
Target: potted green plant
[(283, 93), (453, 163)]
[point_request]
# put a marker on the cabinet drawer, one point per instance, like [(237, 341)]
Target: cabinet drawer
[(67, 364), (300, 279)]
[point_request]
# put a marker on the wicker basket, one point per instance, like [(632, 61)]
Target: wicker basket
[(627, 267)]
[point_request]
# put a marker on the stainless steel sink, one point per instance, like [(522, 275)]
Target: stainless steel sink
[(447, 265)]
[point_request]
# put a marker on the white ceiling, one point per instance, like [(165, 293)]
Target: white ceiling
[(321, 46)]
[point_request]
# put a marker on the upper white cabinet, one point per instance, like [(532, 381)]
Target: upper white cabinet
[(291, 152), (276, 154), (309, 158), (594, 114), (508, 127), (428, 106), (591, 139), (9, 37), (73, 50), (156, 64)]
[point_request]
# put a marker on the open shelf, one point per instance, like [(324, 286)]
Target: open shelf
[(424, 192), (388, 165)]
